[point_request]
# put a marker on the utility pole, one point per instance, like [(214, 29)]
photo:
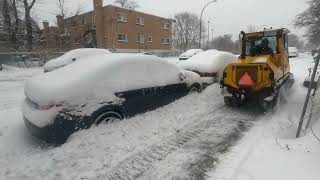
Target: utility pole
[(208, 34), (317, 58), (212, 34), (201, 20)]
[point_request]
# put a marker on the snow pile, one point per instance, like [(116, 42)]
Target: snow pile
[(73, 55), (10, 73), (173, 60), (270, 150), (210, 61)]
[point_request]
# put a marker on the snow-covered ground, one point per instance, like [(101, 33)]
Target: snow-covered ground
[(270, 150), (180, 140)]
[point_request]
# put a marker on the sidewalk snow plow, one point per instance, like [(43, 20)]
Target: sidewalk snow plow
[(262, 72)]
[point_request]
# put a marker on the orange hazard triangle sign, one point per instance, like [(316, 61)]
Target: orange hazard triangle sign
[(246, 80)]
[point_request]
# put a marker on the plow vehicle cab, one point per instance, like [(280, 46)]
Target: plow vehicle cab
[(262, 71)]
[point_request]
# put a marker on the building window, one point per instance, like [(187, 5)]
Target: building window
[(121, 18), (140, 39), (140, 21), (165, 40), (150, 39), (165, 26), (122, 37)]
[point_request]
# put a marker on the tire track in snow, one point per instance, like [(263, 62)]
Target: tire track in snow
[(137, 164)]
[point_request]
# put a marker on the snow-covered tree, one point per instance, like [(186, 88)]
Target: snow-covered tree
[(128, 4), (186, 31), (28, 22), (310, 19), (295, 41)]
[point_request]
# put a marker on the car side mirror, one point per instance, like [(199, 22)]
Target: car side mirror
[(182, 76), (74, 59)]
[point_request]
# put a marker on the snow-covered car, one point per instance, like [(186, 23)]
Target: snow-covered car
[(72, 56), (188, 54), (90, 92), (209, 64), (293, 52)]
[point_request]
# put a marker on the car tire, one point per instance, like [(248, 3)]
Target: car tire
[(196, 88), (108, 117)]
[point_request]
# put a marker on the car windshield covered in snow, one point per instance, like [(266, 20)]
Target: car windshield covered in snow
[(261, 45)]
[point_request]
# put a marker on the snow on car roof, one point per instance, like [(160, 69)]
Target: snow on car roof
[(192, 51), (210, 61), (76, 53), (92, 76)]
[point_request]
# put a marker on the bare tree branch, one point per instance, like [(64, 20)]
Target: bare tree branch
[(186, 30), (129, 4)]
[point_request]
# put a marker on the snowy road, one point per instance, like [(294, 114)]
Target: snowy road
[(180, 140)]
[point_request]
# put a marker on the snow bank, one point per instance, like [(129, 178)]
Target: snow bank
[(76, 54), (10, 73), (270, 150), (211, 61)]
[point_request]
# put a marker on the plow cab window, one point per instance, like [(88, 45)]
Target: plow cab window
[(261, 45)]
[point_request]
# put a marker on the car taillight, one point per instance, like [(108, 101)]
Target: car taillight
[(50, 106)]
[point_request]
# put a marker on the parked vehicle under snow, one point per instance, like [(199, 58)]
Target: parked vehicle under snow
[(188, 54), (209, 64), (72, 56), (93, 91), (293, 52)]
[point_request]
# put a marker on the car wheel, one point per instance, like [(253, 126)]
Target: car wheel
[(195, 89), (108, 117)]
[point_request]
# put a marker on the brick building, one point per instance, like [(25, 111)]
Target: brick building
[(115, 28)]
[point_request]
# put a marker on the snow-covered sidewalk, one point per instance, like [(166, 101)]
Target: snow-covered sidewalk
[(270, 150)]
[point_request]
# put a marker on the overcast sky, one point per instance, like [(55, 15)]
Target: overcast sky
[(226, 16)]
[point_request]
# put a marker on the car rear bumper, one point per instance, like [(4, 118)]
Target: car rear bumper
[(43, 133), (58, 132)]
